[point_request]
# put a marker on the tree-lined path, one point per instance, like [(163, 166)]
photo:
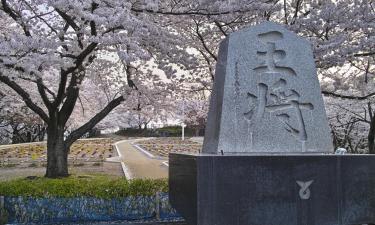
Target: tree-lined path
[(140, 165)]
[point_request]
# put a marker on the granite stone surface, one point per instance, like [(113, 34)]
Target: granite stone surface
[(273, 190), (266, 95)]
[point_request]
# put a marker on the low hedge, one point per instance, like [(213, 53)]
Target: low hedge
[(98, 186), (176, 131)]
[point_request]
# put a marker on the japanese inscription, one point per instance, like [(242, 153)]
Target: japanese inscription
[(266, 95), (278, 97), (271, 54)]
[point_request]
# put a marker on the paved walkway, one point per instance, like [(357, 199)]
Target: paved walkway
[(138, 164)]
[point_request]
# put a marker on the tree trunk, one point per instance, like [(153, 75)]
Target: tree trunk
[(57, 152), (29, 136), (41, 133), (371, 137), (197, 129), (16, 134)]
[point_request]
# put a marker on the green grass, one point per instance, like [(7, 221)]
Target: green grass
[(99, 186)]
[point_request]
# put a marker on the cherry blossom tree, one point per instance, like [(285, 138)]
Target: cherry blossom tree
[(18, 124), (349, 122), (190, 107), (57, 45)]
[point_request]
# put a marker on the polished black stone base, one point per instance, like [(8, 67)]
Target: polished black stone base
[(273, 189)]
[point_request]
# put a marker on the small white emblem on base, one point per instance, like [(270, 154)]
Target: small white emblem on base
[(304, 191)]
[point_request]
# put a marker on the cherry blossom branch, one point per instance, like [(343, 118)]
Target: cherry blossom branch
[(201, 38), (81, 57), (364, 54), (72, 94), (61, 90), (93, 121), (217, 23), (16, 17), (328, 93), (45, 87), (25, 97), (43, 93), (197, 12), (71, 23), (40, 17)]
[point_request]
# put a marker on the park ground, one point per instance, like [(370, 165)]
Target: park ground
[(98, 167), (112, 155)]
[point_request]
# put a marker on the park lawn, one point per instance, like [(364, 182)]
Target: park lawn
[(99, 186)]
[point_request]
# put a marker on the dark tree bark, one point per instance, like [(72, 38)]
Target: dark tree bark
[(15, 134), (58, 147), (57, 152), (371, 137), (371, 133)]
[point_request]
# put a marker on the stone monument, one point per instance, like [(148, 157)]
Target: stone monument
[(267, 156), (266, 96)]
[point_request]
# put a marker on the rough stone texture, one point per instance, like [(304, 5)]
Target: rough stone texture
[(274, 190), (266, 95)]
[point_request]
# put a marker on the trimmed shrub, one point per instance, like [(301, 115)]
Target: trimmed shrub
[(98, 186)]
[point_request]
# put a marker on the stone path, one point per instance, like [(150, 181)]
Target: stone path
[(138, 165)]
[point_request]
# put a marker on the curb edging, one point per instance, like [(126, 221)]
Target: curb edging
[(125, 169)]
